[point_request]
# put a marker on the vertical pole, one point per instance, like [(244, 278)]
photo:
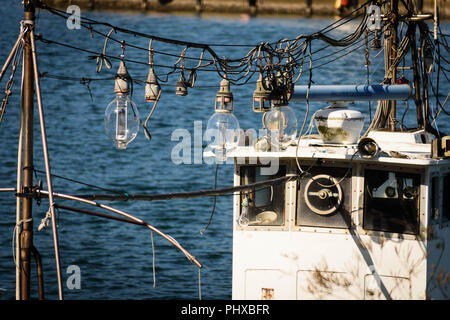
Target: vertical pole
[(47, 164), (416, 74), (26, 235), (19, 184), (392, 53)]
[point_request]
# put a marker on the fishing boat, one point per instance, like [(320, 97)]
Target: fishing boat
[(358, 209), (368, 219), (360, 215)]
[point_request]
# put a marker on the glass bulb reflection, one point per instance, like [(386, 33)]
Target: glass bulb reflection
[(121, 121), (282, 124), (223, 130)]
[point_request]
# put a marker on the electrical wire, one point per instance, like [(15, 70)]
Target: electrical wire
[(214, 202)]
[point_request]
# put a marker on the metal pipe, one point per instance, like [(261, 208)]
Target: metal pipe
[(392, 52), (351, 92), (40, 273), (26, 234), (129, 216), (99, 214), (47, 166), (19, 187), (11, 55)]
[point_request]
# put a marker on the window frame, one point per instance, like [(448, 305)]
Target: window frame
[(286, 205), (348, 175), (444, 221), (422, 210)]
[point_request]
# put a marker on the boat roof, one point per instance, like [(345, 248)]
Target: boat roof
[(401, 148)]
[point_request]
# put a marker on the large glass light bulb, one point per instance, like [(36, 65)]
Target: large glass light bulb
[(282, 125), (223, 128), (121, 121)]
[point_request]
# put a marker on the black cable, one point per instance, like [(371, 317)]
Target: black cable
[(84, 183), (266, 47), (81, 79), (214, 202), (49, 41), (183, 195)]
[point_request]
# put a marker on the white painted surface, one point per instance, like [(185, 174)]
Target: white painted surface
[(294, 262)]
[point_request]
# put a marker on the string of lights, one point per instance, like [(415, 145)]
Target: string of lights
[(357, 45), (263, 51), (279, 64)]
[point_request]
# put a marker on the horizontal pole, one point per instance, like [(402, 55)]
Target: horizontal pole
[(99, 214), (351, 92), (129, 216)]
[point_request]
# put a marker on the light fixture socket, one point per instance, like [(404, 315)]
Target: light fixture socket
[(152, 88), (181, 88), (376, 42), (282, 89), (121, 82), (261, 97), (224, 98)]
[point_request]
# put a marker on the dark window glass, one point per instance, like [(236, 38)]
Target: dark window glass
[(434, 198), (391, 201), (446, 196), (263, 206), (324, 198)]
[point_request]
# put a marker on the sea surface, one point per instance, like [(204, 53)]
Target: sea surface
[(115, 259)]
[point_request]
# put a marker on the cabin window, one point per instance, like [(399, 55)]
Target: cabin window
[(446, 195), (391, 201), (262, 206), (434, 196), (324, 198)]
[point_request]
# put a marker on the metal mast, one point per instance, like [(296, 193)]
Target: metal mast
[(26, 235)]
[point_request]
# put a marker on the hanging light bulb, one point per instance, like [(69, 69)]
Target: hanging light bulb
[(121, 114), (282, 125), (281, 120), (223, 125)]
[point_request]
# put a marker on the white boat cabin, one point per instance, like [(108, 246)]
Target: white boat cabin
[(353, 227)]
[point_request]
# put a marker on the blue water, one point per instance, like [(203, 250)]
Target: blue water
[(115, 259)]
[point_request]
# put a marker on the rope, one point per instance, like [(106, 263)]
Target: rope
[(15, 230), (45, 221)]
